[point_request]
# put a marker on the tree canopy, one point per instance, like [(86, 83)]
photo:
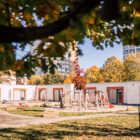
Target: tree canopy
[(68, 80), (113, 70), (94, 75), (77, 79), (47, 79), (132, 67), (7, 77), (57, 23)]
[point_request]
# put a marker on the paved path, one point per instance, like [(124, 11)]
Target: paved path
[(8, 120)]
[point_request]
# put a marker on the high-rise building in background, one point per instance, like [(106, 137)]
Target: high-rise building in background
[(64, 66), (73, 55), (127, 50)]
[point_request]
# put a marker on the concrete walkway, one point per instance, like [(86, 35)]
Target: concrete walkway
[(8, 120)]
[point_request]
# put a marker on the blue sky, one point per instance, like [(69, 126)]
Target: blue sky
[(91, 56)]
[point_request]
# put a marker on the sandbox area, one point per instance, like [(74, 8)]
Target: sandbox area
[(92, 109)]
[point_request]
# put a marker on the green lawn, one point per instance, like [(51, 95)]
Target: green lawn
[(104, 128), (35, 111), (38, 112)]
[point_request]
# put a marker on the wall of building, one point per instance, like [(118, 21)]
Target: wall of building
[(103, 87), (32, 92), (49, 88), (7, 91), (131, 91)]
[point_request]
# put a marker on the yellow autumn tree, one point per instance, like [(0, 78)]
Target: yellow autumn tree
[(7, 77), (138, 65), (68, 80), (113, 70), (94, 75), (56, 78), (36, 80), (132, 67)]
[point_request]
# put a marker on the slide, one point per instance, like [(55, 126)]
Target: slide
[(107, 102), (110, 106)]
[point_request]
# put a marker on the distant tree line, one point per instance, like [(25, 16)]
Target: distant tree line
[(47, 79), (114, 70)]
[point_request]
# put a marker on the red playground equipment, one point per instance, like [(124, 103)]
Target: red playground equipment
[(97, 98), (89, 100)]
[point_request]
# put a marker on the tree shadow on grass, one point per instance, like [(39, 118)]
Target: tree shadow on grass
[(34, 110), (104, 130), (59, 131)]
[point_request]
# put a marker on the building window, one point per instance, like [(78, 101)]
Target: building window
[(41, 94), (132, 47), (19, 94), (125, 47), (125, 52), (56, 94), (138, 50), (124, 57), (132, 50), (67, 66)]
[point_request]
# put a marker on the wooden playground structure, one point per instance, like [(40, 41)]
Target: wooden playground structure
[(84, 101)]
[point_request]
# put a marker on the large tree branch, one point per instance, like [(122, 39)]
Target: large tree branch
[(22, 34), (8, 14)]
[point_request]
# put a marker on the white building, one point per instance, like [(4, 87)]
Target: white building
[(127, 50), (121, 92), (116, 93)]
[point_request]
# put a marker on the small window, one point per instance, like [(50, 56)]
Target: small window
[(138, 50), (132, 50), (56, 94), (125, 57), (125, 47), (125, 52), (19, 95), (22, 94)]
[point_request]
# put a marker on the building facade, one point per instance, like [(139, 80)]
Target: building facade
[(127, 50), (115, 93)]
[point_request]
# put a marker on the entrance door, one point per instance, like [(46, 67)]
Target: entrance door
[(19, 95), (57, 94), (91, 94), (42, 95), (115, 95), (119, 94)]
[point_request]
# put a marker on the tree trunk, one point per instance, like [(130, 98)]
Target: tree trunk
[(61, 100)]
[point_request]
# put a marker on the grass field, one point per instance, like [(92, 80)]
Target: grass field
[(105, 128), (38, 112), (30, 111)]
